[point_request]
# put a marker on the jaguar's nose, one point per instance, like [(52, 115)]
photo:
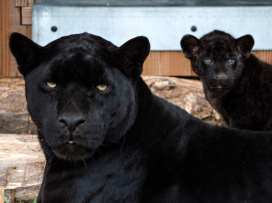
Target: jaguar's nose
[(220, 76), (72, 123)]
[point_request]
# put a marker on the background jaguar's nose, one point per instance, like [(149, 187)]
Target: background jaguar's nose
[(220, 76), (72, 123)]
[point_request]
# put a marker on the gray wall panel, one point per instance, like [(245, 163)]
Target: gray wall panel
[(164, 26)]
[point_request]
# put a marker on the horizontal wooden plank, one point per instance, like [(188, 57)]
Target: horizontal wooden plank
[(167, 63), (24, 3), (265, 56), (21, 3), (175, 64), (26, 16)]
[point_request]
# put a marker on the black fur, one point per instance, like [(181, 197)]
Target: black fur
[(124, 144), (240, 90)]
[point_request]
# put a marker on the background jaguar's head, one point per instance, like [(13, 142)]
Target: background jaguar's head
[(80, 90), (217, 58)]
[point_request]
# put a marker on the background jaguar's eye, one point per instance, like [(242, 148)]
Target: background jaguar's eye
[(51, 84), (101, 87), (231, 61), (207, 60)]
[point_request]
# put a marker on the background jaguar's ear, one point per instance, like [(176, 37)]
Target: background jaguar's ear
[(189, 45), (25, 52), (133, 54), (245, 45)]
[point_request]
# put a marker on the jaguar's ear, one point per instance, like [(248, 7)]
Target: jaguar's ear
[(245, 45), (25, 52), (189, 45), (133, 54)]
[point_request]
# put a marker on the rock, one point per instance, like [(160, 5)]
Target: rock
[(22, 164), (14, 117), (186, 93), (27, 194)]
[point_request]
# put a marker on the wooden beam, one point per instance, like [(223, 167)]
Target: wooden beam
[(12, 196), (26, 16), (5, 24), (10, 22)]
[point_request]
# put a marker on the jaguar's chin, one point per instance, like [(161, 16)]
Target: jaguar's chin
[(71, 151), (219, 88)]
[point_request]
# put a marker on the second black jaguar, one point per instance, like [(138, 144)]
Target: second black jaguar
[(235, 82)]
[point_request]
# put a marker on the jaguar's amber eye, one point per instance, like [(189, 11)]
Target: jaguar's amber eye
[(51, 84), (101, 87)]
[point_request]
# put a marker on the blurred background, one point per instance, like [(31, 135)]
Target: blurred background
[(164, 22)]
